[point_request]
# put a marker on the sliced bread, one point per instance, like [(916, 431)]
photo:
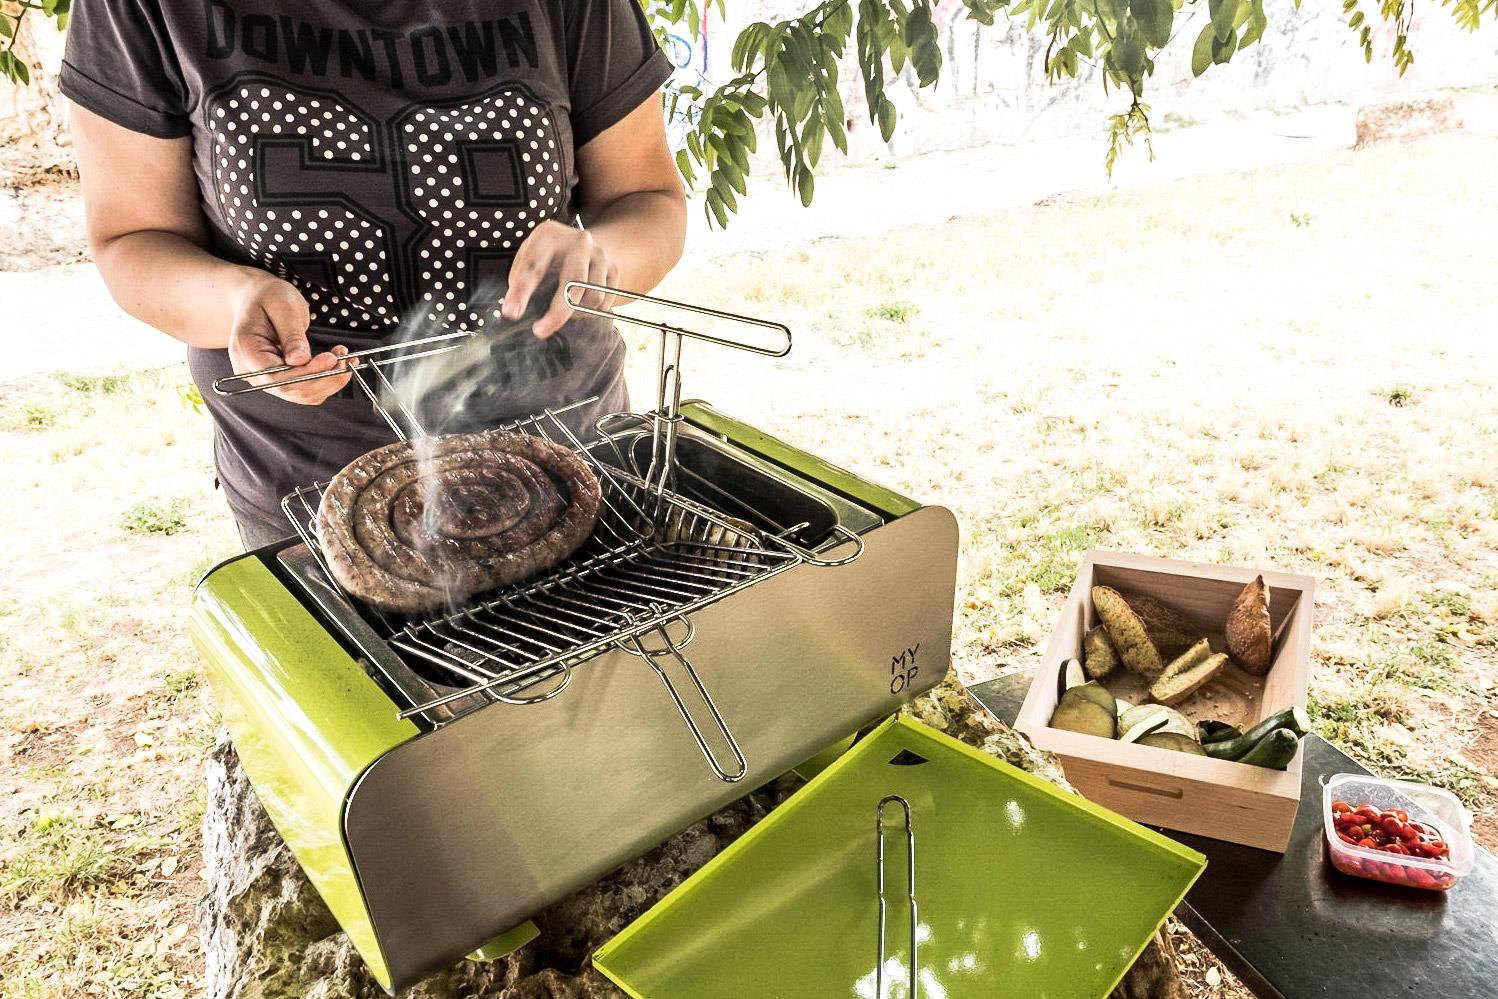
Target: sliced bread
[(1175, 688)]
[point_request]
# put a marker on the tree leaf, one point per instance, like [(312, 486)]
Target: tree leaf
[(7, 29), (812, 134), (1222, 51), (925, 46), (1201, 54), (887, 118), (714, 204), (805, 183), (1257, 22), (1154, 18), (1224, 12)]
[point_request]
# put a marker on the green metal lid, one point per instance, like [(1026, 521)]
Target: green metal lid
[(1024, 889)]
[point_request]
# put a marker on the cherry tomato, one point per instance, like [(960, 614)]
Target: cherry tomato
[(1346, 838), (1391, 824), (1400, 814), (1367, 843), (1338, 807), (1367, 810)]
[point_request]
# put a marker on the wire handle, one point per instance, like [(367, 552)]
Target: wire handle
[(636, 646), (667, 415), (701, 310), (909, 892), (241, 382)]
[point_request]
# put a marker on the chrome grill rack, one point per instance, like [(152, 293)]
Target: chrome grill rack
[(638, 572)]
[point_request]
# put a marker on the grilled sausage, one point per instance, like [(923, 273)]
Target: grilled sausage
[(414, 526)]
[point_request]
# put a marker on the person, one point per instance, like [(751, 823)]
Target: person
[(276, 182)]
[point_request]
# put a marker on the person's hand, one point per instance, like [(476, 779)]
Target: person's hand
[(569, 254), (270, 328)]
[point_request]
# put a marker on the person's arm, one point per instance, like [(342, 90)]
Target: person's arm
[(634, 216), (150, 241)]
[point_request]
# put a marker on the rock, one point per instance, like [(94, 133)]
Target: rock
[(267, 934), (1403, 120)]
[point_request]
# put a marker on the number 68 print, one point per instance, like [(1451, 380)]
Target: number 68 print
[(471, 178)]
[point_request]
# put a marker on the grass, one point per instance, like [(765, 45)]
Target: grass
[(56, 853), (895, 312), (93, 384), (155, 517), (179, 681), (1242, 390), (35, 416)]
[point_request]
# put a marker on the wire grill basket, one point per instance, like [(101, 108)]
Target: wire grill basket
[(655, 556)]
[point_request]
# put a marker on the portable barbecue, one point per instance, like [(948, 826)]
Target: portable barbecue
[(741, 606)]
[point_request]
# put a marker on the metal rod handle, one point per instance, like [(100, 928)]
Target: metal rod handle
[(488, 686), (701, 310), (673, 650), (909, 892), (812, 558), (221, 385)]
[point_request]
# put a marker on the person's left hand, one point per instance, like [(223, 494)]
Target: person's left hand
[(568, 253)]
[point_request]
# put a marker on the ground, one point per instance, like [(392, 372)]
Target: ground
[(1287, 368)]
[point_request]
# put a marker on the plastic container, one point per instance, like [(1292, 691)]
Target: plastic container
[(1428, 805), (1024, 891)]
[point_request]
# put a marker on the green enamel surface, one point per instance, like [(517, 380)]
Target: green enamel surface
[(506, 943), (872, 495), (1023, 889), (306, 721), (825, 759)]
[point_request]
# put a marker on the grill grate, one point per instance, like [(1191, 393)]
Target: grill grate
[(654, 557)]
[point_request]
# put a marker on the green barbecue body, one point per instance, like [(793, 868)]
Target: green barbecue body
[(307, 720)]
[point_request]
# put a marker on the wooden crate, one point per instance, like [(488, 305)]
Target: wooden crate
[(1195, 794)]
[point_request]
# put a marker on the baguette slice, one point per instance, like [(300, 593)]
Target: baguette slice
[(1193, 656), (1130, 639), (1175, 688), (1098, 654), (1167, 627)]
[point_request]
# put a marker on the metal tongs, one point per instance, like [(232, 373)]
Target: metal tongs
[(387, 353), (909, 892), (666, 418)]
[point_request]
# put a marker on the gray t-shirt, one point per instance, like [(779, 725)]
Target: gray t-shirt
[(387, 157)]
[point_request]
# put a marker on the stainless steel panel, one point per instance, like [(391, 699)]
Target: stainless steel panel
[(471, 828)]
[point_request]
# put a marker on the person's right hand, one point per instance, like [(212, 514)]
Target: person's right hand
[(270, 328)]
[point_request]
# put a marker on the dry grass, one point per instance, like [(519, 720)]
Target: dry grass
[(1182, 371)]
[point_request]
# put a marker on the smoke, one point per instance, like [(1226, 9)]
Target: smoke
[(471, 387), (476, 385)]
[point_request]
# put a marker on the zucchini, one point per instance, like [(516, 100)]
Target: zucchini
[(1081, 715), (1172, 740), (1294, 719), (1274, 751), (1238, 749), (1216, 731), (1149, 726), (1069, 676), (1096, 693)]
